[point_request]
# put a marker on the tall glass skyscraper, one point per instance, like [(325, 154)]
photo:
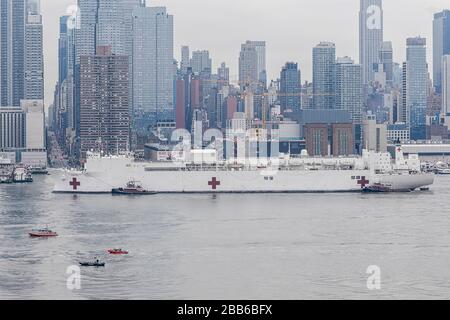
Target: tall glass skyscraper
[(416, 81), (324, 58), (252, 64), (387, 60), (290, 87), (201, 62), (86, 34), (185, 59), (103, 23), (349, 90), (33, 52), (248, 66), (441, 45), (446, 85), (153, 71), (12, 46), (370, 36)]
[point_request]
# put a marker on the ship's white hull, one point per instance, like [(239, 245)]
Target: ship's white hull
[(248, 181)]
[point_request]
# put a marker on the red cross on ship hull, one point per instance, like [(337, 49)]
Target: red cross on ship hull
[(74, 184), (214, 183), (363, 182)]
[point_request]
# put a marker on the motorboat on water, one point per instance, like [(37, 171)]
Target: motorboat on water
[(39, 170), (132, 188), (117, 251), (43, 233), (96, 263), (442, 168), (442, 171)]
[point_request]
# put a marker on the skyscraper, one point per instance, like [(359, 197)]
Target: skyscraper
[(370, 36), (33, 53), (441, 45), (201, 62), (111, 26), (185, 59), (248, 66), (290, 87), (446, 85), (85, 35), (324, 58), (260, 47), (105, 22), (180, 114), (223, 73), (416, 81), (63, 49), (252, 64), (349, 90), (101, 23), (387, 60), (12, 44), (64, 93), (104, 109), (153, 72), (128, 7)]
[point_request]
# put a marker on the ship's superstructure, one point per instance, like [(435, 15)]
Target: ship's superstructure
[(201, 172)]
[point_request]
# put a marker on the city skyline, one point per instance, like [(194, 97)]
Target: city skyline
[(416, 19), (183, 149)]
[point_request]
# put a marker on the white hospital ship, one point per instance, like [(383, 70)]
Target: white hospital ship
[(201, 172)]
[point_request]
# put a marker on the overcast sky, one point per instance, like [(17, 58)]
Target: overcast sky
[(290, 27)]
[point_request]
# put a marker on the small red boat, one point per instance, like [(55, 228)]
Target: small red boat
[(43, 233), (117, 251)]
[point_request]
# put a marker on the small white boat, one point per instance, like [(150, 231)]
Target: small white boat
[(442, 171), (22, 175), (442, 168)]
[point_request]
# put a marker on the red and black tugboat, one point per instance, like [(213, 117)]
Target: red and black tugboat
[(132, 188), (378, 188), (43, 233)]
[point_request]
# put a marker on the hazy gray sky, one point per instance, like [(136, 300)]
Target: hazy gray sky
[(290, 27)]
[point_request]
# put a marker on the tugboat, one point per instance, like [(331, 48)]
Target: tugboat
[(43, 233), (117, 251), (378, 188), (132, 188)]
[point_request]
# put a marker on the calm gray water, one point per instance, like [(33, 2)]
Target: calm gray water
[(304, 246)]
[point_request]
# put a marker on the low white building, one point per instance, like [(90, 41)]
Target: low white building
[(398, 133), (22, 133), (34, 124), (428, 151), (374, 135)]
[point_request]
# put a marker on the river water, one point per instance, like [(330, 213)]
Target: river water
[(277, 246)]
